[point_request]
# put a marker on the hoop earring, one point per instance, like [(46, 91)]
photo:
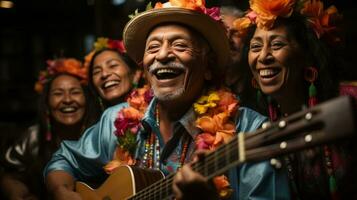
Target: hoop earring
[(310, 75), (48, 127)]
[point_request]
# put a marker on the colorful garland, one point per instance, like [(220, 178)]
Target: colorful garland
[(68, 66), (127, 125), (263, 14), (216, 112)]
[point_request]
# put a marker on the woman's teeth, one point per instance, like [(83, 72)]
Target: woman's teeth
[(68, 109), (268, 73), (110, 83)]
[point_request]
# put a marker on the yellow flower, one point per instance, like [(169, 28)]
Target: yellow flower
[(206, 102), (101, 43)]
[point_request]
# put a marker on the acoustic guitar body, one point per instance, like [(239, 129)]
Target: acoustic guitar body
[(123, 183)]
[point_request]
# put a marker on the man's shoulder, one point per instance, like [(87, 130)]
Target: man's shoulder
[(249, 120)]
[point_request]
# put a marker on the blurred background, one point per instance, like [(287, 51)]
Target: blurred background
[(32, 31)]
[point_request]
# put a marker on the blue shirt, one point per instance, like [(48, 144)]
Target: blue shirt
[(85, 158)]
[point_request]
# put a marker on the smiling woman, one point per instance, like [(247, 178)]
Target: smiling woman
[(112, 74), (290, 51), (64, 106)]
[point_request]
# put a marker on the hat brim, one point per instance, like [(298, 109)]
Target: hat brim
[(137, 30)]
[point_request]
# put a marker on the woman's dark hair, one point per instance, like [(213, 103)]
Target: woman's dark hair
[(316, 51), (88, 120), (133, 66)]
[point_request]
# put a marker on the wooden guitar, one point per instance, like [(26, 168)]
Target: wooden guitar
[(325, 123)]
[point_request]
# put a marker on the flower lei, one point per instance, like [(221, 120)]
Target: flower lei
[(215, 118), (69, 66), (216, 112), (104, 43), (263, 14), (127, 125)]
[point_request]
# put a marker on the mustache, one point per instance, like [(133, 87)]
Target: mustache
[(155, 66)]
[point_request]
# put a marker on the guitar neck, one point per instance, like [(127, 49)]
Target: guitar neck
[(319, 125)]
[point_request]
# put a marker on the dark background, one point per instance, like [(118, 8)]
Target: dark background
[(33, 31)]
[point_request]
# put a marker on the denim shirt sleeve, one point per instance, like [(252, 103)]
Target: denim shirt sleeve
[(84, 159), (259, 180)]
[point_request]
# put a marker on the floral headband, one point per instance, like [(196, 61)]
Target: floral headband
[(104, 43), (196, 5), (263, 14), (68, 66)]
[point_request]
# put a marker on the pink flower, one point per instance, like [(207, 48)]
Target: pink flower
[(213, 12)]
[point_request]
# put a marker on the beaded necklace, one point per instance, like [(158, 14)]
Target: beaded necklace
[(151, 157), (273, 113)]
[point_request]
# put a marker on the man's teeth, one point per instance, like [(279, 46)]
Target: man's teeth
[(110, 83), (268, 72), (161, 71)]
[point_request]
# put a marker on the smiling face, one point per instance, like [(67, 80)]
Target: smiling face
[(276, 61), (111, 76), (66, 100), (175, 63)]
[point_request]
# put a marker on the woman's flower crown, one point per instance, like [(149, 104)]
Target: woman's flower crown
[(104, 43), (263, 14), (63, 65)]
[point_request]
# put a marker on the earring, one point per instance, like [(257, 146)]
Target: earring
[(310, 75), (101, 105), (48, 126), (256, 86)]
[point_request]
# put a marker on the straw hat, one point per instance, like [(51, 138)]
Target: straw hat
[(138, 28)]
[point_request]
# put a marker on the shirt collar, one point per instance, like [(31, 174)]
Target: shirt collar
[(187, 120)]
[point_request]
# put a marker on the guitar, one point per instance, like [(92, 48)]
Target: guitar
[(325, 123)]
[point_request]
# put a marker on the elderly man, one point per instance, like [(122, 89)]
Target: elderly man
[(183, 52)]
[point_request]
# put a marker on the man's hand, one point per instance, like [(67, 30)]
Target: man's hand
[(189, 184)]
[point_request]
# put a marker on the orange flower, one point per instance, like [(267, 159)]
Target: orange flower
[(87, 59), (268, 10), (241, 25), (228, 102), (132, 113), (223, 186), (188, 4), (121, 157), (312, 8)]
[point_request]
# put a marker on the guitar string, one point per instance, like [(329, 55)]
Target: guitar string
[(209, 160)]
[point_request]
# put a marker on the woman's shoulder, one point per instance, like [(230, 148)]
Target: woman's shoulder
[(249, 120)]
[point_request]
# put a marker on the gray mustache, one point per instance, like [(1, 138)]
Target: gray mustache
[(155, 66)]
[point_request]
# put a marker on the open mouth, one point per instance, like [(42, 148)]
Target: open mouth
[(167, 73), (68, 109), (269, 72), (110, 84)]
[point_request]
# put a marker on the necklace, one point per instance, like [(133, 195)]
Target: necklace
[(151, 157), (273, 113)]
